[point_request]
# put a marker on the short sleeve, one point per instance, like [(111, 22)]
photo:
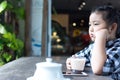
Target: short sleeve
[(108, 67), (113, 57)]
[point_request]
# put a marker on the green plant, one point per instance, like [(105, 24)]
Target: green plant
[(10, 46)]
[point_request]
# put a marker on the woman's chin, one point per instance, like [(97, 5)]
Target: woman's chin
[(93, 39)]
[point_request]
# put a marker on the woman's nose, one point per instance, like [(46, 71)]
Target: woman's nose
[(91, 29)]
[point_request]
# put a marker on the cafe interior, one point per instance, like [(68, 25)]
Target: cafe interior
[(50, 27), (70, 24), (67, 22), (43, 29)]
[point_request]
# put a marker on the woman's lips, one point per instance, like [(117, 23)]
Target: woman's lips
[(91, 35)]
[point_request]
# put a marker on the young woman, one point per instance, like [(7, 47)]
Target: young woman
[(103, 55)]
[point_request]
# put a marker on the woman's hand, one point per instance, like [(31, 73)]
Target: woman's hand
[(102, 34), (68, 63)]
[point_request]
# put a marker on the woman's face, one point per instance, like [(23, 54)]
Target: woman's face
[(96, 23)]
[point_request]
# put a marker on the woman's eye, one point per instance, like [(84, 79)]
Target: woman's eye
[(96, 24)]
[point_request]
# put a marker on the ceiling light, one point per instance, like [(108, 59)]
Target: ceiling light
[(83, 3), (82, 21), (58, 40), (79, 8), (74, 24), (82, 6)]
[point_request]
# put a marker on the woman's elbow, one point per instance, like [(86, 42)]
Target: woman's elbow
[(97, 71)]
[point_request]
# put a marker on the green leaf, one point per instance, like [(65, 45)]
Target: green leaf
[(9, 36), (1, 46), (9, 6), (20, 13), (2, 29), (1, 63), (7, 57), (3, 5)]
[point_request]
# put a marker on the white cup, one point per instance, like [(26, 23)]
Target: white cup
[(78, 64)]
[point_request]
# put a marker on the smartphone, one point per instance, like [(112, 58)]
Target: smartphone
[(82, 74)]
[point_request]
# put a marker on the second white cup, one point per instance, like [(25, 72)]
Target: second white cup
[(78, 64)]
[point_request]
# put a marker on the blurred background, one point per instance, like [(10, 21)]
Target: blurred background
[(73, 16), (23, 26)]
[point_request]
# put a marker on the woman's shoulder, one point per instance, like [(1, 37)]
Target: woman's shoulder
[(113, 43)]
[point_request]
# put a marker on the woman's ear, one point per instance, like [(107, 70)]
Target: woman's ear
[(113, 28)]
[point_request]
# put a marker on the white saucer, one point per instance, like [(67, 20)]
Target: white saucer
[(32, 78)]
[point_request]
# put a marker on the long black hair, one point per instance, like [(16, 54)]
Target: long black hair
[(110, 15)]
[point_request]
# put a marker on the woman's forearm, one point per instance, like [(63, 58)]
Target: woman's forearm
[(98, 57)]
